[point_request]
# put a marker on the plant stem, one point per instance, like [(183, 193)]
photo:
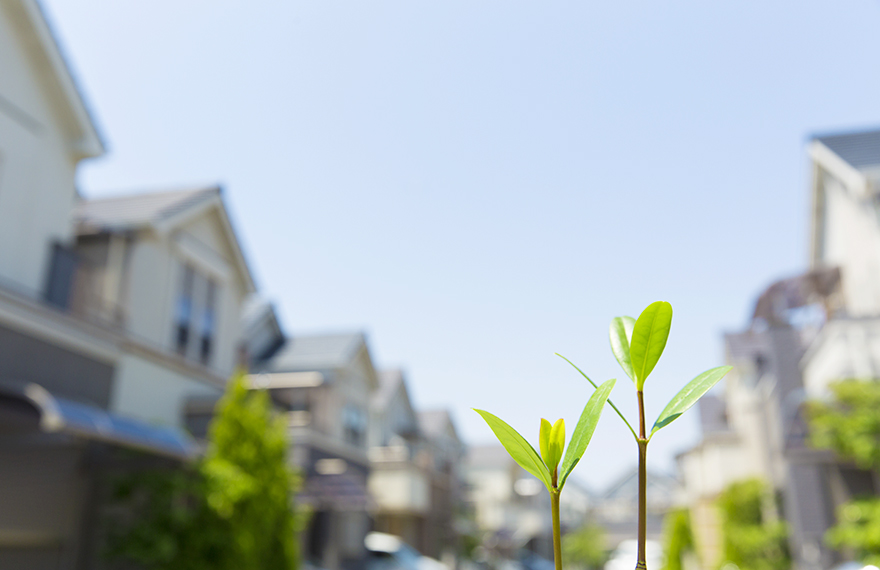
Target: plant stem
[(643, 485), (557, 539)]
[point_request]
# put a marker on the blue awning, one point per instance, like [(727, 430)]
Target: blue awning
[(59, 415)]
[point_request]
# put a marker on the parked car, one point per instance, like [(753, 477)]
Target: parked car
[(389, 552)]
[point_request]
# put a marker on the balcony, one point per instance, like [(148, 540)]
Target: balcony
[(400, 487), (84, 289)]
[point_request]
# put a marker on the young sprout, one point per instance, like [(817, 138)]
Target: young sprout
[(637, 345), (550, 467)]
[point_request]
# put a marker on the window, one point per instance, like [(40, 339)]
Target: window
[(208, 323), (62, 275), (195, 316), (183, 311), (354, 422)]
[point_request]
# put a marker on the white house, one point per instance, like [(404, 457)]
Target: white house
[(399, 479), (115, 314), (807, 331)]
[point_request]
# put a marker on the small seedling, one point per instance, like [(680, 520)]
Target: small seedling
[(638, 345), (546, 467)]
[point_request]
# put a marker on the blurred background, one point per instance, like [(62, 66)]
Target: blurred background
[(377, 216)]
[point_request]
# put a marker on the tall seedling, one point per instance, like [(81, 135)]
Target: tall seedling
[(546, 466), (638, 345)]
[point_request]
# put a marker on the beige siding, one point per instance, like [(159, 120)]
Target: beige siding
[(156, 266), (852, 241), (36, 169), (154, 393), (152, 278)]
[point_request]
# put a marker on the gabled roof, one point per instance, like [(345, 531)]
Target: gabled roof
[(626, 486), (435, 423), (262, 329), (390, 382), (316, 352), (861, 150), (161, 212), (138, 211), (393, 388), (29, 18)]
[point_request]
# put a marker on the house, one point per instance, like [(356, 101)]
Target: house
[(510, 507), (399, 480), (325, 383), (445, 454), (806, 331), (114, 313), (616, 509), (415, 479)]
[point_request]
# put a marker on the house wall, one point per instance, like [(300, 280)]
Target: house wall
[(43, 484), (37, 166), (845, 349), (403, 488), (851, 240), (155, 393), (155, 273), (151, 278), (64, 373), (713, 465)]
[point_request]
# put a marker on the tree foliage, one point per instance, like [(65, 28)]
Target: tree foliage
[(232, 510), (858, 527), (849, 424), (750, 541), (585, 547), (677, 538)]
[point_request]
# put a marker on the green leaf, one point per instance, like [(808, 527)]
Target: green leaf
[(584, 429), (544, 441), (557, 443), (689, 395), (649, 339), (620, 333), (519, 449)]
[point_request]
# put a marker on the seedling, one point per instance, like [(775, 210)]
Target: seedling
[(638, 345), (546, 467)]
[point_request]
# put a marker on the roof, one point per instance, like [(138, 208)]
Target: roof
[(32, 407), (626, 486), (433, 423), (135, 211), (860, 149), (390, 381), (161, 211), (316, 352)]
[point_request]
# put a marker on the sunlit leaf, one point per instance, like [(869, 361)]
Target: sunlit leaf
[(544, 441), (584, 429), (649, 339), (620, 334), (689, 395), (557, 443), (519, 449)]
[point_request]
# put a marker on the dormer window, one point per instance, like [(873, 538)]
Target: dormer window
[(184, 310), (195, 316)]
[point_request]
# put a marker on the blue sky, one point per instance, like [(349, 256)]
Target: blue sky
[(480, 184)]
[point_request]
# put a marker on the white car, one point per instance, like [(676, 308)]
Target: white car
[(389, 552), (626, 554)]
